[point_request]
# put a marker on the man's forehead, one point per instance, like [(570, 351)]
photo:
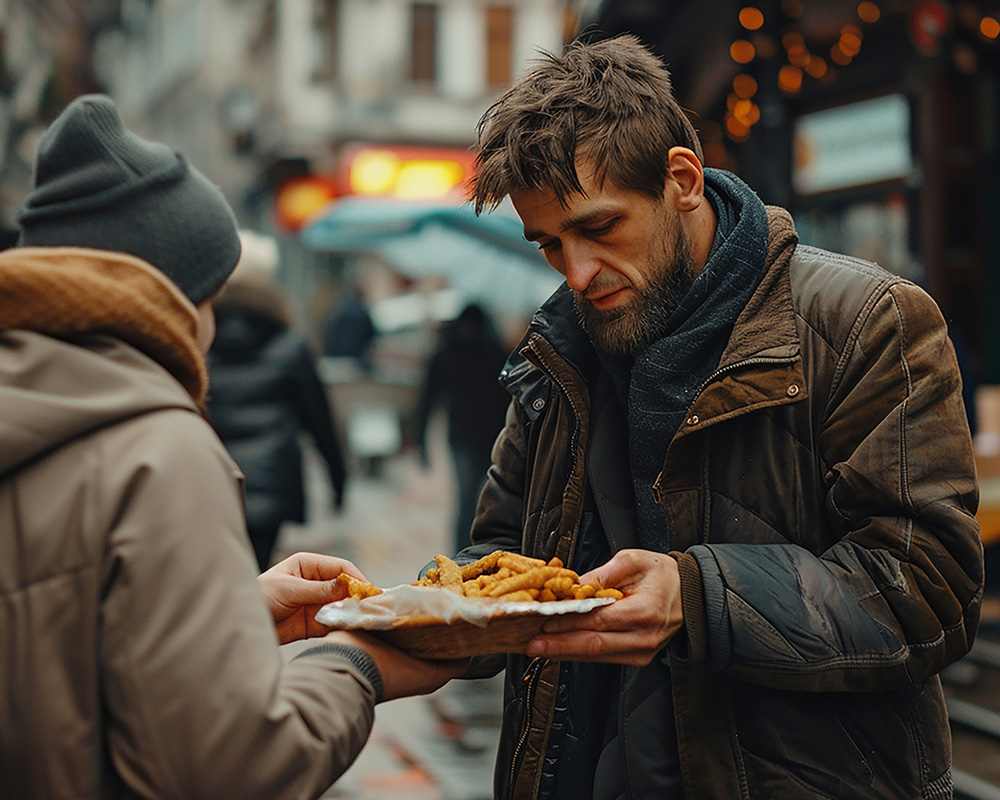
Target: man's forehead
[(592, 181)]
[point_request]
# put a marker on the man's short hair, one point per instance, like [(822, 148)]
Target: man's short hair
[(610, 102)]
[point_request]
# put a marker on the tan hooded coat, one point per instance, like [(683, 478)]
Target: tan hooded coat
[(138, 656)]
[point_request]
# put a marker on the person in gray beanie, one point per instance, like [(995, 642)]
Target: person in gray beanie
[(141, 652), (99, 185)]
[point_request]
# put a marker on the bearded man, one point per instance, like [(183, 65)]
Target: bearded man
[(763, 444)]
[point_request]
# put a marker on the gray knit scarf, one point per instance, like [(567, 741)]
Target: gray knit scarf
[(660, 384)]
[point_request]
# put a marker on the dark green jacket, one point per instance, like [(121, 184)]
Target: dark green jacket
[(820, 497)]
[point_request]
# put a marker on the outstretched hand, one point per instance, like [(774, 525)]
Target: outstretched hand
[(402, 674), (297, 587), (629, 631)]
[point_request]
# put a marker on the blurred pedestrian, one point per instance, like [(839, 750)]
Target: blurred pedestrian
[(461, 377), (140, 649), (266, 395), (762, 444), (348, 331)]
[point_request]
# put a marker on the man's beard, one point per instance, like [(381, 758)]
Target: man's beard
[(628, 330)]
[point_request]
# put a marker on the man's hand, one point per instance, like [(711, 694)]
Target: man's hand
[(629, 631), (402, 675), (297, 587)]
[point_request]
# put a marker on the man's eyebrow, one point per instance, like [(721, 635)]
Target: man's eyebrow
[(574, 222)]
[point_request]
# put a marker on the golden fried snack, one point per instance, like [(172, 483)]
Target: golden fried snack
[(561, 585), (583, 591), (515, 562), (450, 574), (484, 564), (512, 577), (520, 596), (358, 589), (524, 580)]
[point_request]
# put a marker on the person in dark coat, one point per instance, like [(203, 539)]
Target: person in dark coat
[(462, 377), (265, 394), (762, 444), (349, 331)]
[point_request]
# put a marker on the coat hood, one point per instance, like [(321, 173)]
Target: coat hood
[(54, 390)]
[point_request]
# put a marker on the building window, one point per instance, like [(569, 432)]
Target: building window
[(424, 42), (499, 45)]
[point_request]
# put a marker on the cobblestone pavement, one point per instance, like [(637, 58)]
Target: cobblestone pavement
[(393, 523)]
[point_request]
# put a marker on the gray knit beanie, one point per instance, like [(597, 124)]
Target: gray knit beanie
[(99, 185)]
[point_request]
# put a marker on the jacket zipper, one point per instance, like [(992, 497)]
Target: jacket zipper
[(576, 411), (718, 373), (544, 366), (530, 677), (745, 363)]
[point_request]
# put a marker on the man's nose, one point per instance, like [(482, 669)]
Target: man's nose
[(581, 266)]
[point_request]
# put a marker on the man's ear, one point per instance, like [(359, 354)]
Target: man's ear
[(685, 186)]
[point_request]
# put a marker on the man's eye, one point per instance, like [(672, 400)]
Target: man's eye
[(548, 245), (600, 230)]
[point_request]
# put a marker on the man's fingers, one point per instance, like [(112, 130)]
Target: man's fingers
[(624, 569), (318, 567)]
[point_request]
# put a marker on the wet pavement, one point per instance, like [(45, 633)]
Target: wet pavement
[(438, 747)]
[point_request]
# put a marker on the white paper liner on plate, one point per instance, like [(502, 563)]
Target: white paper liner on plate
[(381, 611)]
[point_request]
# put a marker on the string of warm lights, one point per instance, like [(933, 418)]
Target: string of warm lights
[(821, 61)]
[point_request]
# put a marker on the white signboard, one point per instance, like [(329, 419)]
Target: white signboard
[(852, 145)]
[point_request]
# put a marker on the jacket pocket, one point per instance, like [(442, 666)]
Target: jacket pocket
[(827, 745)]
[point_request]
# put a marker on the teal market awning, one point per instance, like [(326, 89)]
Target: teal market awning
[(485, 257)]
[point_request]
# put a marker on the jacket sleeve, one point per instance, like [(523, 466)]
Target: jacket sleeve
[(896, 598), (499, 516), (199, 700)]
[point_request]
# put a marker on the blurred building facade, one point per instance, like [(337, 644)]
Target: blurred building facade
[(261, 91), (286, 104)]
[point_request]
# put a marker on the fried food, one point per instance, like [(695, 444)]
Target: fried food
[(358, 589), (512, 577), (449, 574)]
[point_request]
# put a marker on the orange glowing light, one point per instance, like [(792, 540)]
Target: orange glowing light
[(798, 55), (741, 51), (989, 28), (850, 43), (751, 18), (792, 39), (409, 173), (868, 12), (789, 79), (838, 56), (816, 67), (299, 198), (747, 112), (744, 85), (736, 129)]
